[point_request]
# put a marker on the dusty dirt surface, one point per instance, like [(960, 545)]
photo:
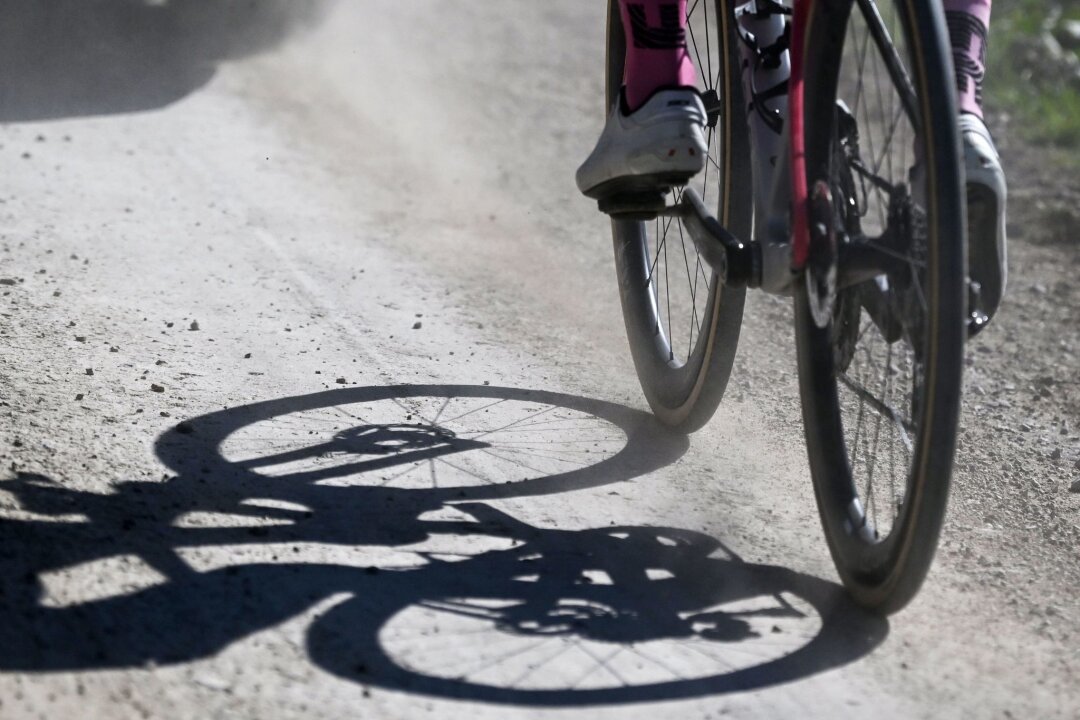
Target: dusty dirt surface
[(315, 402)]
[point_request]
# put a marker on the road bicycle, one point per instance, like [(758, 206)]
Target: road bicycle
[(860, 218)]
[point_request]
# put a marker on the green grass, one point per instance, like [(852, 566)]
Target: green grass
[(1043, 100)]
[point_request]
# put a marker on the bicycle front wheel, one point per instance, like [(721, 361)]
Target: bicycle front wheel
[(682, 321), (880, 369)]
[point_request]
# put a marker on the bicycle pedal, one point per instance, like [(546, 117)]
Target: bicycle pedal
[(634, 205), (976, 318)]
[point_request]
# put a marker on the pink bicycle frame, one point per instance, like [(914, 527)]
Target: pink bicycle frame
[(800, 232)]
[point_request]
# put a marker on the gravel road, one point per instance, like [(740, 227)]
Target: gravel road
[(315, 402)]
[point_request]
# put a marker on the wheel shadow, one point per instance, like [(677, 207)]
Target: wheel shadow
[(72, 58), (284, 506)]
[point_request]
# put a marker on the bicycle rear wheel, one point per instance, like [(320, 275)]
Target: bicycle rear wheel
[(880, 370), (681, 320)]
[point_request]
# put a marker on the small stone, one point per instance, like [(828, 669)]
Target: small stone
[(194, 327), (247, 356), (89, 371), (340, 381), (185, 428), (417, 325), (80, 338), (160, 362), (79, 396), (164, 414), (17, 442), (1056, 455), (154, 387), (56, 293), (7, 281), (1075, 487), (114, 349)]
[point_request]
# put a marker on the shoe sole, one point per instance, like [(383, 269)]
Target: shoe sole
[(984, 248), (638, 197)]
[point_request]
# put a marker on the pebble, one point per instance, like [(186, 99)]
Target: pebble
[(156, 388), (1056, 455), (1075, 487), (194, 327), (417, 325), (7, 281), (340, 381), (89, 371)]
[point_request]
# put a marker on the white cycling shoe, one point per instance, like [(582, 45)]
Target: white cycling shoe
[(640, 156), (986, 197)]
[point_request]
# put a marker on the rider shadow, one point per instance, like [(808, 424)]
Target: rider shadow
[(72, 58), (594, 607)]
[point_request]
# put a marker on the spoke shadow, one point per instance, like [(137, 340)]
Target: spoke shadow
[(72, 58), (486, 607)]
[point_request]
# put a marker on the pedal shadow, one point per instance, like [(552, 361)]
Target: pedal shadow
[(475, 603), (72, 58)]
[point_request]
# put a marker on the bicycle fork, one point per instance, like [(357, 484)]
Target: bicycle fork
[(765, 50)]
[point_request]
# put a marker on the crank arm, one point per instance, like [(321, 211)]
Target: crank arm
[(859, 262), (737, 262)]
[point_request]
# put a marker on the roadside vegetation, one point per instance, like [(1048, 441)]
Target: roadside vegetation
[(1033, 71)]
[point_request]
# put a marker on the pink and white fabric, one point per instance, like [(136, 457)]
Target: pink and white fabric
[(656, 51), (968, 22)]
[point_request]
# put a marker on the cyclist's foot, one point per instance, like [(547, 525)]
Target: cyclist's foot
[(986, 192), (641, 155)]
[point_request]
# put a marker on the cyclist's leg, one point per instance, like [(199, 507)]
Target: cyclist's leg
[(969, 22), (654, 136), (656, 52)]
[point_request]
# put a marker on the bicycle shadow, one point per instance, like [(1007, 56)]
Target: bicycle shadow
[(71, 58), (674, 600)]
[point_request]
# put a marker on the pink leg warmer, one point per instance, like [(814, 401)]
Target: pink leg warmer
[(968, 22), (656, 53)]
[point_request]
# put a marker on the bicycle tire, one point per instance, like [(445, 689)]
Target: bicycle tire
[(884, 560), (684, 389)]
